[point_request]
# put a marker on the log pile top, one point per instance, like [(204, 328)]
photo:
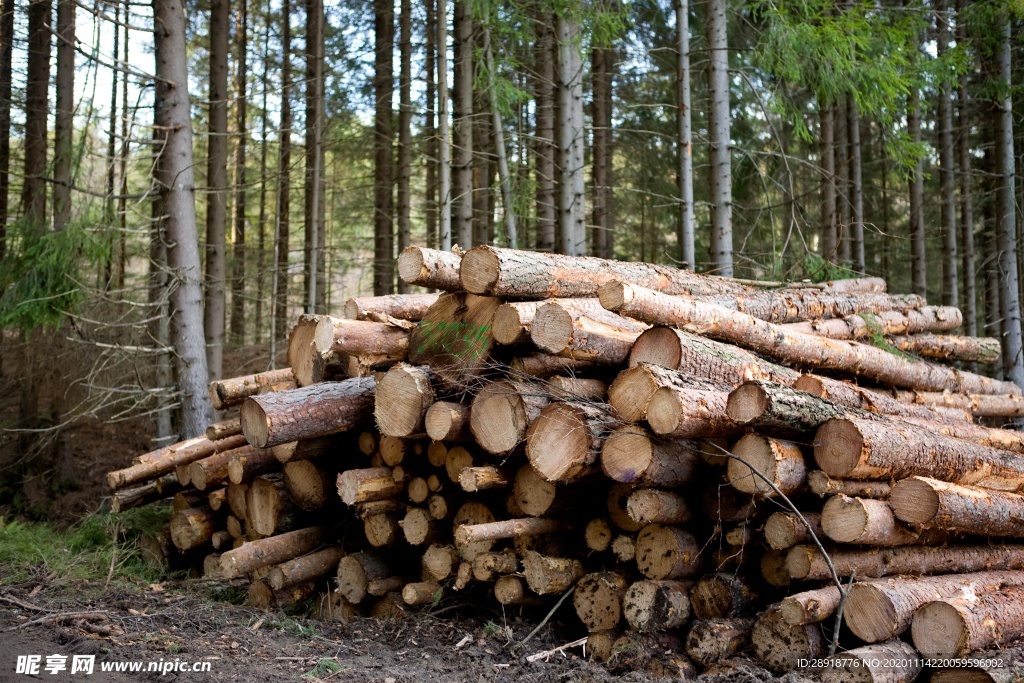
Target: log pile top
[(715, 469)]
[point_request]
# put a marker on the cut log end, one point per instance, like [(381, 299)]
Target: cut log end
[(869, 613), (838, 446), (614, 294), (479, 270), (559, 442), (780, 461), (940, 630), (914, 501), (627, 454), (255, 425), (410, 264), (747, 403)]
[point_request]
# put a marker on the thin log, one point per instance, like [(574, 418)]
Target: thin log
[(317, 410), (248, 464), (224, 429), (806, 562), (811, 607), (948, 348), (402, 306), (334, 340), (382, 530), (430, 268), (304, 568), (488, 566), (272, 550), (469, 514), (924, 319), (578, 389), (473, 479), (166, 460), (823, 485), (422, 593), (508, 528), (512, 590), (631, 455), (793, 305), (979, 405), (616, 504), (213, 470), (545, 365), (225, 393), (852, 396), (598, 535)]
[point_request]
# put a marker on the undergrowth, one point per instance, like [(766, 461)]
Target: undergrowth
[(99, 547)]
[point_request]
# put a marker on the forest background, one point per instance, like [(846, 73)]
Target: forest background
[(179, 181)]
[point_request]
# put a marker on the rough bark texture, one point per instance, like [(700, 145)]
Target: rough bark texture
[(226, 393), (430, 268), (979, 405), (852, 396), (949, 348), (913, 321), (957, 626), (383, 142), (798, 304), (64, 115), (317, 410), (806, 562), (166, 459), (569, 126), (267, 551), (544, 365), (720, 175), (589, 335), (655, 506), (965, 509), (402, 306), (790, 347), (893, 662), (304, 568), (822, 485)]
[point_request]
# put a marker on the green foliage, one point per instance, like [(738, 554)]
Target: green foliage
[(876, 337), (324, 667), (41, 273), (820, 270)]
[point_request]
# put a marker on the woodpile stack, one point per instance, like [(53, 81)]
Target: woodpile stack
[(715, 470)]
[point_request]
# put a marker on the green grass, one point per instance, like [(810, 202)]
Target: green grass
[(324, 667), (85, 551)]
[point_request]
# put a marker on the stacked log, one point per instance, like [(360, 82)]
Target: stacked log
[(639, 435)]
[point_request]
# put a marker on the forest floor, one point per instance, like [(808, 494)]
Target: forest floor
[(71, 584)]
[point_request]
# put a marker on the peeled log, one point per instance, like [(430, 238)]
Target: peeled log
[(633, 388), (780, 461), (502, 411), (823, 485), (446, 421), (715, 640), (964, 509), (852, 396), (598, 600), (811, 606), (697, 356), (537, 275), (592, 335), (225, 393), (721, 595), (565, 440), (267, 551), (866, 521), (866, 449), (667, 552), (654, 506), (421, 593), (978, 405), (631, 455), (806, 562), (891, 662), (192, 527), (550, 574), (508, 528), (800, 349), (924, 319), (957, 626), (304, 568), (656, 605), (454, 337), (402, 306), (317, 410), (780, 645), (169, 458), (430, 268), (883, 608), (784, 530), (949, 347)]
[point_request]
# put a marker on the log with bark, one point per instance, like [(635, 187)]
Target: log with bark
[(473, 479), (811, 606), (447, 421), (790, 347), (823, 485), (323, 353), (192, 527), (454, 337), (308, 412), (807, 562), (564, 442), (949, 347), (513, 321), (596, 335), (546, 574), (430, 268), (266, 507), (852, 396), (403, 396), (246, 465), (781, 462), (924, 319), (272, 550), (867, 521), (508, 528), (225, 393), (544, 365), (410, 307), (979, 405), (304, 568), (502, 412), (632, 456), (223, 429), (783, 530), (633, 388), (578, 389), (310, 485), (367, 485), (795, 305), (656, 506), (357, 570), (165, 460), (953, 507), (972, 621), (781, 645)]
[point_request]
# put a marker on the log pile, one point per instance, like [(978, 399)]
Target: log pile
[(715, 470)]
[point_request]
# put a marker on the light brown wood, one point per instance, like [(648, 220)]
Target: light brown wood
[(310, 486), (783, 530), (810, 607), (309, 449), (679, 413), (624, 548), (545, 365), (454, 337), (593, 335), (417, 490), (267, 551), (721, 595), (457, 460), (512, 590), (806, 562), (782, 462), (564, 442), (965, 509), (667, 552), (891, 662), (852, 396), (598, 600), (978, 405), (167, 459), (247, 465), (924, 319), (382, 530), (598, 534), (617, 500), (502, 412), (878, 610), (536, 496), (332, 606), (355, 571), (225, 393), (634, 387), (440, 562), (369, 484), (599, 645), (947, 347), (403, 397), (324, 353), (655, 506), (266, 506), (785, 346), (472, 513), (656, 605), (957, 626), (224, 429), (631, 455), (823, 485), (473, 479), (866, 521), (430, 268), (508, 528), (422, 593), (780, 645), (578, 389), (393, 450), (437, 454), (447, 421), (402, 306), (308, 412), (419, 527), (546, 575), (304, 568), (715, 640), (859, 448), (488, 566), (192, 527), (214, 470)]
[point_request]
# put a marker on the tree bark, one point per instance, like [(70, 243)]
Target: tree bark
[(37, 89), (383, 142), (867, 521), (811, 606), (979, 405), (894, 661), (807, 562), (315, 280), (829, 233), (462, 220), (284, 187), (238, 258), (602, 75), (684, 141), (444, 154), (859, 262), (720, 176), (852, 396), (964, 509), (969, 299), (822, 485), (569, 125), (175, 178), (267, 551), (304, 568), (6, 53), (916, 229), (64, 116), (216, 187), (404, 132), (226, 393), (410, 307), (544, 94), (947, 170)]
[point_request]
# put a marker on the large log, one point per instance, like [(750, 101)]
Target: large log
[(403, 396), (535, 495), (430, 268), (924, 319), (631, 456), (410, 307), (272, 550), (860, 448), (454, 337), (472, 513), (979, 405), (866, 521), (781, 645), (633, 388), (790, 347), (502, 412), (536, 275), (807, 562), (667, 552), (657, 605), (192, 527), (779, 408), (317, 410), (310, 449), (891, 662), (304, 568), (333, 340), (225, 393), (964, 509), (593, 335), (598, 600), (165, 460), (696, 356), (564, 442), (957, 626), (878, 610), (715, 640), (780, 461), (852, 396), (949, 347)]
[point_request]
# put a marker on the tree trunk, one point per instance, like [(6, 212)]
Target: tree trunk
[(64, 117), (859, 263), (843, 236), (404, 131), (444, 154), (947, 172), (544, 94), (829, 227), (720, 175), (383, 141), (37, 88), (498, 131), (217, 187), (176, 180), (284, 187), (918, 264), (684, 141), (239, 250), (602, 69), (462, 220), (261, 257), (6, 52), (969, 298), (429, 133), (571, 211), (314, 277), (957, 626)]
